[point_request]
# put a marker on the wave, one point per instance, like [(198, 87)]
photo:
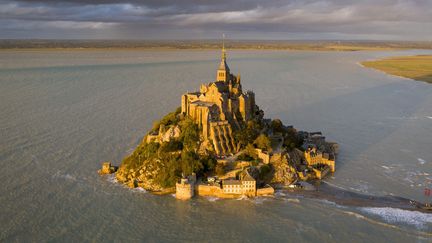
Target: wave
[(396, 215), (292, 200), (402, 117), (111, 178), (64, 176), (421, 161), (139, 189), (430, 117)]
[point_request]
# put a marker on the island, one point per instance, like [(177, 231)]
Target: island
[(218, 143), (414, 67)]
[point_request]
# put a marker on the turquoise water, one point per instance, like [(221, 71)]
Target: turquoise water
[(64, 112)]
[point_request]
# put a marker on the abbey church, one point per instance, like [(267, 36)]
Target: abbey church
[(219, 107)]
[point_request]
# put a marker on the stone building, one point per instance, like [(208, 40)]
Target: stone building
[(107, 168), (315, 157), (219, 107), (245, 186)]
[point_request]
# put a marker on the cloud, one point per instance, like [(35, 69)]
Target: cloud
[(315, 19)]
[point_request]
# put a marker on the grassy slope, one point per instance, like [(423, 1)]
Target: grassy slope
[(414, 67)]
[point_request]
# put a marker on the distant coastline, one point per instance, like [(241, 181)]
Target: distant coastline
[(209, 45), (412, 67)]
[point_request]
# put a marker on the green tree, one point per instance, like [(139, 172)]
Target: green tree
[(189, 134), (169, 170), (170, 146), (276, 125), (291, 139), (264, 170), (248, 134), (263, 142), (190, 163), (220, 169)]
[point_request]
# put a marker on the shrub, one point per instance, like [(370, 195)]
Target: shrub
[(263, 142), (276, 125), (264, 170), (189, 134), (220, 169), (171, 146)]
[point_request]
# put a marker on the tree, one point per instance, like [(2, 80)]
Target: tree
[(190, 163), (248, 134), (276, 125), (189, 134), (263, 142), (291, 139), (170, 146), (220, 169), (264, 170), (168, 170), (209, 163)]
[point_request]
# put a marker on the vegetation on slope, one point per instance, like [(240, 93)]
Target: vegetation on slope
[(165, 162), (161, 164)]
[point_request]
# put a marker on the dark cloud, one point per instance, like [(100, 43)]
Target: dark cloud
[(271, 19)]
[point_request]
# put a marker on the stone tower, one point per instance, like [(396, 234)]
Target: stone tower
[(223, 72)]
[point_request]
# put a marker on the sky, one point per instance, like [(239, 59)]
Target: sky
[(208, 19)]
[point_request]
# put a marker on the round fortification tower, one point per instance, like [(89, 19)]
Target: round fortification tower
[(184, 189)]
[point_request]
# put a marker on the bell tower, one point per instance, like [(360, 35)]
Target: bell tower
[(223, 72)]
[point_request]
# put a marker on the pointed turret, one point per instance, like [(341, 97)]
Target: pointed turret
[(223, 72)]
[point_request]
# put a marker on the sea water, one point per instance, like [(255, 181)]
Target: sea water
[(64, 112)]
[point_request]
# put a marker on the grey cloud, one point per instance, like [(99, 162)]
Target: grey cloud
[(378, 19)]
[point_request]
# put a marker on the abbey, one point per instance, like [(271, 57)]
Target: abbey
[(218, 143), (219, 107)]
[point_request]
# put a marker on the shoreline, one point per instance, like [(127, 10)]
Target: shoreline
[(53, 49), (322, 190), (414, 67)]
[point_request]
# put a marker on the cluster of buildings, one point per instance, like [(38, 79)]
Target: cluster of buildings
[(246, 185), (319, 154)]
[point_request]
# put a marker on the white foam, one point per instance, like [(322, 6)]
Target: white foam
[(111, 178), (139, 189), (421, 161), (385, 167), (64, 176), (243, 197), (212, 199), (396, 215), (293, 200), (402, 117), (430, 117), (259, 200)]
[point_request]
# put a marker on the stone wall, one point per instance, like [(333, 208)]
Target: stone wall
[(267, 191)]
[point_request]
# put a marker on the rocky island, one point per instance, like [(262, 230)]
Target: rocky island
[(218, 143)]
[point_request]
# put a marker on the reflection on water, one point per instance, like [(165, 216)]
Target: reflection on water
[(62, 113)]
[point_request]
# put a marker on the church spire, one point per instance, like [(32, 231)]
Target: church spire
[(223, 48), (223, 73)]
